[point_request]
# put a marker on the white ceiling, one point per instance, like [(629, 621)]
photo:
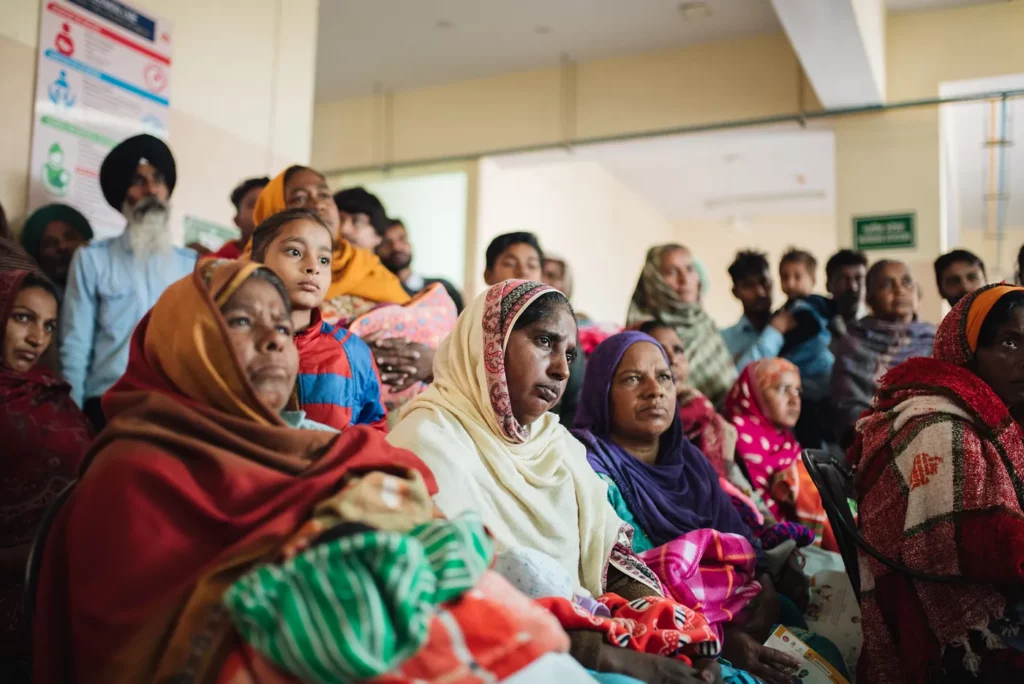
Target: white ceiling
[(399, 44), (782, 170)]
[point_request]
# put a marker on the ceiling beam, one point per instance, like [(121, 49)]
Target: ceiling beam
[(841, 46)]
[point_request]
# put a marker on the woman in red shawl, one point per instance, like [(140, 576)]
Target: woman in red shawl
[(44, 437), (196, 476), (939, 459)]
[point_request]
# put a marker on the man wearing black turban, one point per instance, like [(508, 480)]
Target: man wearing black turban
[(113, 283), (141, 165)]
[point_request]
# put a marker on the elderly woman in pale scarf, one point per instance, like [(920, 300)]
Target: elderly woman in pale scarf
[(669, 290), (877, 343)]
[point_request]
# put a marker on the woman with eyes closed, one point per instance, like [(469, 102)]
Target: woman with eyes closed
[(44, 437), (938, 462), (199, 473)]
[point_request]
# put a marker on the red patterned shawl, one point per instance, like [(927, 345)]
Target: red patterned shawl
[(652, 624), (44, 435), (193, 479), (939, 479), (707, 429)]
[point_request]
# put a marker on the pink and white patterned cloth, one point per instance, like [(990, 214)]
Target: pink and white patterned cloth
[(427, 319), (709, 571)]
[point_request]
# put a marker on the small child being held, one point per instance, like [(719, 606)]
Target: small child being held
[(807, 345), (338, 383)]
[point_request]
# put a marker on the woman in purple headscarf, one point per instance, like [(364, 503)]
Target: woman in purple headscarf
[(666, 488), (634, 439)]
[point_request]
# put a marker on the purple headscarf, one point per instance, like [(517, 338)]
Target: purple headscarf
[(676, 495)]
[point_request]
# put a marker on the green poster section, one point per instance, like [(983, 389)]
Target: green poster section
[(207, 233)]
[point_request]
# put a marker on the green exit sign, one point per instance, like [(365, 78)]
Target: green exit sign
[(892, 231)]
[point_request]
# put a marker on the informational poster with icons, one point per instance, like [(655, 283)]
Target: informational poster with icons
[(104, 75)]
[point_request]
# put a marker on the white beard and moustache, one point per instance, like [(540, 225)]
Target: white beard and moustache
[(148, 229)]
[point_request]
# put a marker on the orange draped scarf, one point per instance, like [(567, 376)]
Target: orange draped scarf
[(193, 480), (354, 271)]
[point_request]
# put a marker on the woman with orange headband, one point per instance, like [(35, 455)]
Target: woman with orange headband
[(939, 463)]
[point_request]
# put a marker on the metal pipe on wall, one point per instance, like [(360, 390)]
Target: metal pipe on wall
[(1003, 200), (797, 117)]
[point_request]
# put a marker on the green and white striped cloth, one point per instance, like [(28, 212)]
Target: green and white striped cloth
[(356, 607)]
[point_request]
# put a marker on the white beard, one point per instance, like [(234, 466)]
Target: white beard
[(148, 230)]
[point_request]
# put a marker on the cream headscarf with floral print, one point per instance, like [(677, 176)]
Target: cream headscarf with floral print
[(531, 484)]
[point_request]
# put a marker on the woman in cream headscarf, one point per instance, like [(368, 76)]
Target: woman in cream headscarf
[(503, 454)]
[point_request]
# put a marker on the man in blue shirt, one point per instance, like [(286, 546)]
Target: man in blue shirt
[(113, 283), (758, 334)]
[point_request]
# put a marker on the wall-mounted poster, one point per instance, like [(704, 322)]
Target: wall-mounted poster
[(104, 74)]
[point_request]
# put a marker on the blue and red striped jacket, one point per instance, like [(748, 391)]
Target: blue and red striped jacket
[(338, 384)]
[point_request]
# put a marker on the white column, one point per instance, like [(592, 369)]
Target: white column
[(841, 46)]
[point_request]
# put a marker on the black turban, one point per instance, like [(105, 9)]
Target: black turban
[(119, 167)]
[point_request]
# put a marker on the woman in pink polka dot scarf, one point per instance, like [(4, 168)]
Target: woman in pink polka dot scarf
[(764, 405)]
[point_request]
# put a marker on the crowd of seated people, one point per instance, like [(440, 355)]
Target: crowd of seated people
[(298, 459)]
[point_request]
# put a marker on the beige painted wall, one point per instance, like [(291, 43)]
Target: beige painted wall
[(703, 83), (984, 245), (587, 211), (884, 162), (581, 211), (242, 95), (715, 243), (890, 162)]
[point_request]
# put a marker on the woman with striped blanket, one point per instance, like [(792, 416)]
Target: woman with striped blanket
[(201, 479)]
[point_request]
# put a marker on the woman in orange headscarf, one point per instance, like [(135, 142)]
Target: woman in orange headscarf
[(197, 475), (366, 297), (359, 281)]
